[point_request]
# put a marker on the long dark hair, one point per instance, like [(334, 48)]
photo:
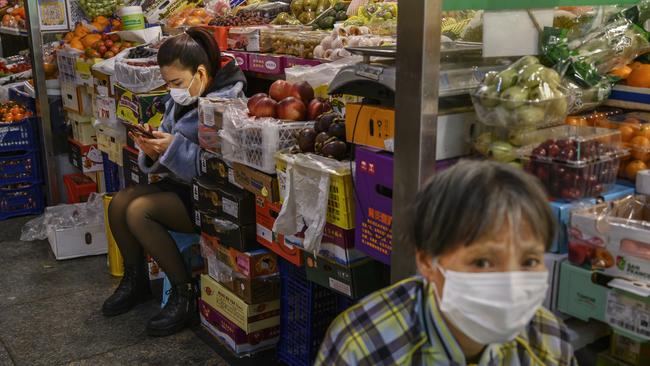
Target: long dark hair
[(197, 46)]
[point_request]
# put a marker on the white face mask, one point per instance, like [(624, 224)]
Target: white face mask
[(182, 96), (492, 307)]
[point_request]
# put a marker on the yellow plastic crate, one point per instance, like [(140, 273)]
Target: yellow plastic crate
[(340, 204)]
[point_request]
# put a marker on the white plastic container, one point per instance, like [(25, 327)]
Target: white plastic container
[(132, 17)]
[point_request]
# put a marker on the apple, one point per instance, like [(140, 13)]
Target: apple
[(264, 107), (316, 108), (109, 54), (108, 43), (280, 90), (502, 151), (291, 108), (115, 50), (102, 49), (115, 37), (252, 100), (303, 91)]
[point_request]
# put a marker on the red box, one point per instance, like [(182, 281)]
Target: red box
[(221, 36), (290, 61), (266, 213), (265, 64), (79, 187), (242, 59), (238, 340), (86, 158)]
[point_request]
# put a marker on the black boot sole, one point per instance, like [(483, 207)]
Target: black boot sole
[(173, 329), (109, 313)]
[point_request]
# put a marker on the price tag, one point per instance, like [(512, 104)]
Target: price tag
[(230, 207), (628, 313)]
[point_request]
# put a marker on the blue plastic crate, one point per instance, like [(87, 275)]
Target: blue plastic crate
[(22, 135), (19, 167), (111, 175), (21, 199), (307, 310), (20, 96)]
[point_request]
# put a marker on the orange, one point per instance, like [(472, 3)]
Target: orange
[(627, 132), (576, 121), (634, 168), (640, 77), (102, 20), (621, 72), (602, 122), (77, 44), (640, 148), (644, 131)]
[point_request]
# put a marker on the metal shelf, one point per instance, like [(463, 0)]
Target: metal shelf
[(13, 31)]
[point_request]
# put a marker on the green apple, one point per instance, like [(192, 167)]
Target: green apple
[(514, 97), (529, 116), (502, 151), (505, 79), (524, 61), (531, 75), (489, 96), (490, 78), (483, 142), (520, 136)]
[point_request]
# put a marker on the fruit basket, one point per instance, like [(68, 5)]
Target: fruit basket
[(525, 95), (575, 162)]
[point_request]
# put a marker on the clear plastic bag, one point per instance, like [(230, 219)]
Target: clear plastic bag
[(65, 216), (137, 75)]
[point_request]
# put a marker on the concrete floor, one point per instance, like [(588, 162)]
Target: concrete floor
[(50, 314)]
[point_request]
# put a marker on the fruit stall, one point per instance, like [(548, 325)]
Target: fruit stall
[(564, 95)]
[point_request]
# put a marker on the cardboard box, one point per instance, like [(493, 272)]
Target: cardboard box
[(111, 142), (83, 68), (250, 264), (78, 242), (240, 342), (554, 264), (256, 182), (355, 281), (250, 318), (132, 173), (562, 212), (336, 244), (374, 216), (614, 237), (140, 108), (76, 99), (103, 84), (578, 296), (265, 64), (290, 61), (370, 125), (629, 97), (631, 351), (604, 359), (226, 232), (82, 128), (105, 111), (238, 205), (206, 197), (86, 158), (244, 38), (242, 60), (216, 169), (251, 290), (266, 213)]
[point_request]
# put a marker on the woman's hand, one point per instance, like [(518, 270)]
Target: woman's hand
[(153, 148)]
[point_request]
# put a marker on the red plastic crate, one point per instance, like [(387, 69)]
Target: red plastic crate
[(79, 187)]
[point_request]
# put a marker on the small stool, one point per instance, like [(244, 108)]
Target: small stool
[(188, 245)]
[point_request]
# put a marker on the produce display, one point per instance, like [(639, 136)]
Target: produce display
[(525, 95), (14, 17), (580, 162), (244, 19), (189, 17), (380, 17), (13, 112), (104, 46), (332, 47), (14, 65), (326, 20), (86, 37), (307, 10), (95, 8), (299, 44), (326, 138), (286, 101)]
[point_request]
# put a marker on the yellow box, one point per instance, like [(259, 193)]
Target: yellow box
[(340, 203), (108, 143), (369, 125), (103, 84), (76, 99), (115, 260), (82, 128), (250, 318)]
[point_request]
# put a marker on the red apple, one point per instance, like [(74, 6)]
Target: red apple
[(264, 107), (317, 107), (291, 108), (279, 90), (102, 49), (252, 100), (115, 50), (108, 43), (303, 91)]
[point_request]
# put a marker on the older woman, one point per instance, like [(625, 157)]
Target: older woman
[(480, 231)]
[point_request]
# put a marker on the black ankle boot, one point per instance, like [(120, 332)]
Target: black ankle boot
[(133, 289), (179, 312)]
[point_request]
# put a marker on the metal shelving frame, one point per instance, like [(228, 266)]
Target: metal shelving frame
[(418, 63)]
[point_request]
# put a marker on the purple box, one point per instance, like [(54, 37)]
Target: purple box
[(374, 215), (242, 59), (237, 335), (265, 64), (290, 61)]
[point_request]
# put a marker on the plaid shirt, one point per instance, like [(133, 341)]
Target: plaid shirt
[(389, 328)]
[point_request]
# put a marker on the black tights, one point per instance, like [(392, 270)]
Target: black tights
[(139, 217)]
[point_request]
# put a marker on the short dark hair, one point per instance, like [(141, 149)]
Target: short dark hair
[(195, 47), (474, 199)]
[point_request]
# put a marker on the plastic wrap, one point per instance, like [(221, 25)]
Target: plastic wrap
[(65, 216), (254, 141), (290, 42), (217, 7), (137, 75), (525, 95), (211, 121)]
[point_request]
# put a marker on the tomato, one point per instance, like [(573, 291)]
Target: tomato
[(18, 117)]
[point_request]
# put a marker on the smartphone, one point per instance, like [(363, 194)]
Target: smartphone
[(139, 130)]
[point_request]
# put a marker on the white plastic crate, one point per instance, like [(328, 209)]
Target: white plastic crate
[(255, 143), (66, 59)]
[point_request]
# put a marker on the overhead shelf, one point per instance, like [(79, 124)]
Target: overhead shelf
[(524, 4)]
